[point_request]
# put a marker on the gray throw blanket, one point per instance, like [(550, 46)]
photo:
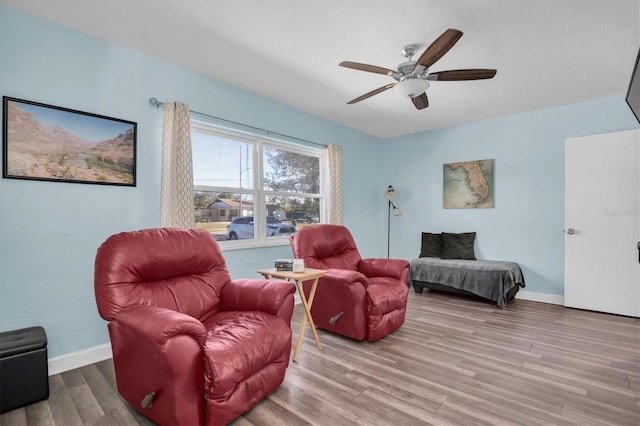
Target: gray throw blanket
[(491, 279)]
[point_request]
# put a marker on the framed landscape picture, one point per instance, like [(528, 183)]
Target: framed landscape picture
[(468, 185), (46, 142)]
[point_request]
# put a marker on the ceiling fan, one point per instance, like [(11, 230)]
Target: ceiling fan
[(413, 77)]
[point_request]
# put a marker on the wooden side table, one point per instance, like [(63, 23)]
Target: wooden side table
[(298, 278)]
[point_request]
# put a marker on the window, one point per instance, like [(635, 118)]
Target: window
[(251, 191)]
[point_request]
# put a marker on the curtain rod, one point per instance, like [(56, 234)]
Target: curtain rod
[(156, 103)]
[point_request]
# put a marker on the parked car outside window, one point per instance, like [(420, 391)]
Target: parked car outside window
[(242, 228), (304, 217)]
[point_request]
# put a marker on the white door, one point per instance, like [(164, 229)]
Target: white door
[(602, 223)]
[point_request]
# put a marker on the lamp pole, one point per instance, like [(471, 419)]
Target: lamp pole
[(390, 193), (388, 229)]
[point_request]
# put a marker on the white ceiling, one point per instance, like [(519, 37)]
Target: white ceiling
[(547, 52)]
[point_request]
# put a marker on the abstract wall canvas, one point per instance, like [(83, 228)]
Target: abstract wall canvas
[(468, 185)]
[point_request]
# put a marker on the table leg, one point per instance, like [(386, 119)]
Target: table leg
[(307, 317), (311, 323)]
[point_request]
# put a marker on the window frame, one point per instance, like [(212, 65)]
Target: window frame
[(259, 193)]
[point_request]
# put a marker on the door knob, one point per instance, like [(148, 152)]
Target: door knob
[(571, 231)]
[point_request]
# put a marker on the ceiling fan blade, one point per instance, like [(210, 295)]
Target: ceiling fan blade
[(458, 75), (371, 93), (366, 67), (438, 48), (420, 102)]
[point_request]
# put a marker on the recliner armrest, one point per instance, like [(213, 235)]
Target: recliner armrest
[(345, 276), (256, 295), (381, 267), (160, 324)]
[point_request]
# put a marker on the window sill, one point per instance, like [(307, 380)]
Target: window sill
[(252, 244)]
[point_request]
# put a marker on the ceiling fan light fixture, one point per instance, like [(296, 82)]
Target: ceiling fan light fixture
[(411, 86)]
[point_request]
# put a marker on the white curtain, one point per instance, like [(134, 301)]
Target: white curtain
[(333, 161), (176, 198)]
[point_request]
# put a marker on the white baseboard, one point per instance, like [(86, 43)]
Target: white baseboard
[(554, 299), (78, 359)]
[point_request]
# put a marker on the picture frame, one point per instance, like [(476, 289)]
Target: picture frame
[(468, 185), (51, 143)]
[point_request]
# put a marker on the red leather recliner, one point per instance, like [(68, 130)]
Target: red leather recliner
[(208, 346), (358, 298)]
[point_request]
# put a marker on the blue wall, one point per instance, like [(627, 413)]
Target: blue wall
[(49, 232), (526, 225)]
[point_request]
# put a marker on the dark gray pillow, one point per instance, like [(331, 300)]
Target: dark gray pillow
[(431, 245), (458, 246)]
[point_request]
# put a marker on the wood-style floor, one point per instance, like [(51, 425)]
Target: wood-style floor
[(456, 361)]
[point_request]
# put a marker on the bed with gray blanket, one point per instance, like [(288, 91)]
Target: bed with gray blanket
[(494, 280)]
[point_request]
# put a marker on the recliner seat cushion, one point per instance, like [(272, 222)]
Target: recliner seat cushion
[(240, 345), (381, 299)]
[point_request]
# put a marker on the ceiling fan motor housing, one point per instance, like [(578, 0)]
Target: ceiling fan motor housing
[(404, 69)]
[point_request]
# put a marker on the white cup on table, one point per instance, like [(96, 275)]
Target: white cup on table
[(298, 265)]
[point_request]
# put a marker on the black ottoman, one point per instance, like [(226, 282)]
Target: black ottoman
[(24, 372)]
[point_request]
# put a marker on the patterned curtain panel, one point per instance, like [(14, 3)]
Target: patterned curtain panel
[(333, 161), (176, 198)]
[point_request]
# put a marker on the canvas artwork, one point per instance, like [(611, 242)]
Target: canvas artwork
[(45, 142), (468, 185)]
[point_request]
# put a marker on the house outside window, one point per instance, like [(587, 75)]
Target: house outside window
[(251, 191)]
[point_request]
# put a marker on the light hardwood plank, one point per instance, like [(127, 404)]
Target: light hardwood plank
[(17, 417), (61, 403)]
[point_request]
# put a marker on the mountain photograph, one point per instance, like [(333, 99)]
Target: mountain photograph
[(50, 143)]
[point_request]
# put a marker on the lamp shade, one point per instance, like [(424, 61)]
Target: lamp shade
[(411, 87), (391, 192), (397, 211)]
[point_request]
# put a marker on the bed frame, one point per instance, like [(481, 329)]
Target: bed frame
[(418, 286)]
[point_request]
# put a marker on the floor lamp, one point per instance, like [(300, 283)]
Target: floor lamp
[(390, 194)]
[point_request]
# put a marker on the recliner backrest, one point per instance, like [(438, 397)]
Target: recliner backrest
[(177, 269), (326, 247)]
